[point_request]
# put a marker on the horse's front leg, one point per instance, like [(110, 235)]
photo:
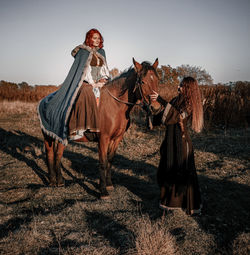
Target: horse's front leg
[(58, 158), (103, 161), (111, 153)]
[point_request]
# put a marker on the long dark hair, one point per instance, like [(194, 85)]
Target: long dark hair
[(192, 97)]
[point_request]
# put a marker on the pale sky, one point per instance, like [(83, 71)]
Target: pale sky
[(37, 36)]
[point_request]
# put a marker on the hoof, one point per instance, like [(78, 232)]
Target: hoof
[(105, 197), (52, 181), (110, 188), (52, 184), (104, 194), (60, 183)]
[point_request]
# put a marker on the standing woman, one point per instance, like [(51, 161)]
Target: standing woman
[(72, 109), (176, 173)]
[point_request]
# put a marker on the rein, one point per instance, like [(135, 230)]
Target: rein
[(121, 101), (137, 85)]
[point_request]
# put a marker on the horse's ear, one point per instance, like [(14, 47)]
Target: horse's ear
[(137, 65), (155, 64)]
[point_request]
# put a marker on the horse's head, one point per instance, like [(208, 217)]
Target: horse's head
[(147, 82)]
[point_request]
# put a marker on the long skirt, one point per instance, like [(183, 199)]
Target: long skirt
[(184, 196), (84, 119), (176, 175)]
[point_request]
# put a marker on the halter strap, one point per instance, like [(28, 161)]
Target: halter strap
[(137, 85)]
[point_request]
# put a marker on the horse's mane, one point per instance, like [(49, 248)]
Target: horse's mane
[(119, 80), (146, 66), (126, 73), (124, 86)]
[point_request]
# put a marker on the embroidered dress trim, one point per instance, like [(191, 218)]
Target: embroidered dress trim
[(164, 207), (165, 113), (168, 208)]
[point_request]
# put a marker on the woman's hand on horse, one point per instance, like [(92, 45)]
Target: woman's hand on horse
[(98, 84), (103, 80), (154, 96)]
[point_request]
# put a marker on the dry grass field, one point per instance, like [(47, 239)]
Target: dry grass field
[(37, 219)]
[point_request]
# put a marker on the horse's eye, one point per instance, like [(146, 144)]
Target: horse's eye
[(142, 82)]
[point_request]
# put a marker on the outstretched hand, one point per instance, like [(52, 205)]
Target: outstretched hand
[(154, 96), (103, 80)]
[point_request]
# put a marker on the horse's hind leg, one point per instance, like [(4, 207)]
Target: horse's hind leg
[(103, 150), (49, 147), (58, 157), (110, 156)]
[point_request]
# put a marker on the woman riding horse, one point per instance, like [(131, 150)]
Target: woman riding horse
[(88, 73), (66, 113)]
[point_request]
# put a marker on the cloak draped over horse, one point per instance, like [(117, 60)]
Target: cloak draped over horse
[(54, 110)]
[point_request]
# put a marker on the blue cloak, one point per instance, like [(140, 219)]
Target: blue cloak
[(54, 109)]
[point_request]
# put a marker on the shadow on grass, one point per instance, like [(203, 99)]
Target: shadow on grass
[(235, 144), (59, 244), (115, 233), (144, 190), (16, 141), (226, 215), (81, 182), (227, 210), (102, 228), (13, 142), (28, 214)]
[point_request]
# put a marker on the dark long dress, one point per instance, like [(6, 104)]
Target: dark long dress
[(176, 173)]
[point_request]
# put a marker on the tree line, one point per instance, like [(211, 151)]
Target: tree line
[(169, 76), (224, 104), (172, 76)]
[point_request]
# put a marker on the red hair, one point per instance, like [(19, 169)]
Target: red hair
[(88, 39)]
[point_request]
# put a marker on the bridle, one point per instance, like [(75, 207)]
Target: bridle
[(144, 104)]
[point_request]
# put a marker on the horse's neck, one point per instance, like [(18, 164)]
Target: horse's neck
[(123, 90)]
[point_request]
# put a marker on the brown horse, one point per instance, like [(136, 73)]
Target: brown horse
[(116, 101)]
